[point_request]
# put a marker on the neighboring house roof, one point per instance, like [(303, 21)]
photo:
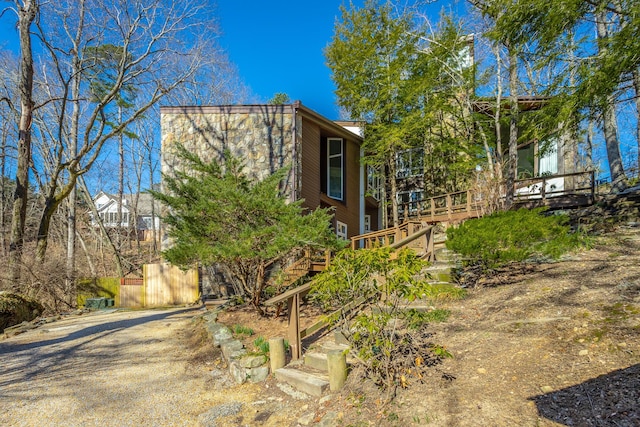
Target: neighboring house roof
[(143, 206)]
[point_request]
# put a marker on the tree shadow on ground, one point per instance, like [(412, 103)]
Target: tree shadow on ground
[(608, 400)]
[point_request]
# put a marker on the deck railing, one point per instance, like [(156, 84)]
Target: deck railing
[(447, 207), (540, 189)]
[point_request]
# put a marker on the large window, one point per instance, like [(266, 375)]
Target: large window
[(410, 163), (335, 168)]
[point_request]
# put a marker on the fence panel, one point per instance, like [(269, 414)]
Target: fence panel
[(131, 293), (169, 285)]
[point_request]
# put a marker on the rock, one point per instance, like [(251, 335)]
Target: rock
[(330, 419), (258, 374), (583, 352), (230, 346), (15, 309), (306, 419), (238, 373), (253, 361), (223, 334), (546, 389), (482, 371)]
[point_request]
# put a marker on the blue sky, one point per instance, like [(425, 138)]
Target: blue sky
[(278, 46)]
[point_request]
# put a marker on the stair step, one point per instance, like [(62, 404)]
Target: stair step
[(317, 359), (314, 384)]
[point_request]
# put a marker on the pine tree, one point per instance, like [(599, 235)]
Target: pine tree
[(217, 215)]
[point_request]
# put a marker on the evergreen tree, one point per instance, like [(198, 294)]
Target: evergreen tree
[(216, 215)]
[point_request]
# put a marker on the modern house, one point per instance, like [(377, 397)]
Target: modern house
[(324, 156), (136, 209)]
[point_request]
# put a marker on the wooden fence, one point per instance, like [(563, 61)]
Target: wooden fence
[(161, 285)]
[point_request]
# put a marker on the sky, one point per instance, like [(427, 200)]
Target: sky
[(278, 45)]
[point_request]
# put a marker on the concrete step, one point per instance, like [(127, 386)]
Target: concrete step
[(314, 384), (317, 357)]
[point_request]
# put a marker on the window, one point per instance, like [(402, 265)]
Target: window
[(409, 163), (341, 230), (548, 158), (374, 182), (367, 223), (410, 200), (335, 168)]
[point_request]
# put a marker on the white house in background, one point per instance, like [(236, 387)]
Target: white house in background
[(108, 208)]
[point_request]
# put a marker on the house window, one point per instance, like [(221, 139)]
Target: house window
[(367, 223), (335, 168), (341, 230), (549, 158), (374, 182), (410, 200), (409, 163)]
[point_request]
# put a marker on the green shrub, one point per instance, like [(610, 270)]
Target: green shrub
[(513, 236), (388, 337)]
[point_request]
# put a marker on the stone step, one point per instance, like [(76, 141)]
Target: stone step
[(314, 384), (317, 357)]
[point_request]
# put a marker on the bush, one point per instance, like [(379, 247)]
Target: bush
[(389, 338), (513, 236)]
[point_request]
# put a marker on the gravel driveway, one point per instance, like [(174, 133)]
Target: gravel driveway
[(124, 368)]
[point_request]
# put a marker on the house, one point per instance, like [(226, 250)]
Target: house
[(136, 208), (324, 155), (547, 167)]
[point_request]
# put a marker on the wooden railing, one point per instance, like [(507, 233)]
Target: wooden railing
[(576, 187), (456, 206), (413, 234)]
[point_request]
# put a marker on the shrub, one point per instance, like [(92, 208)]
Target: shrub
[(389, 338), (513, 236)]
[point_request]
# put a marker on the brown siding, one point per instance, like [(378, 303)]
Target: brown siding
[(310, 190)]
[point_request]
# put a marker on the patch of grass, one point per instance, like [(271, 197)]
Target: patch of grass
[(240, 330), (261, 345), (416, 319), (619, 312)]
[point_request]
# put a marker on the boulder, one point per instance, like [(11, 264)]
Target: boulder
[(15, 309)]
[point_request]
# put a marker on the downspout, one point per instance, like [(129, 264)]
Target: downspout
[(294, 151), (362, 193)]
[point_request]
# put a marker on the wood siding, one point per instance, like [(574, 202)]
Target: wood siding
[(314, 140)]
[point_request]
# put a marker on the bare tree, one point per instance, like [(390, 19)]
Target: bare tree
[(26, 11), (98, 53)]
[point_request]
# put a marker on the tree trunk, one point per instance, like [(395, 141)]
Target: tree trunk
[(394, 189), (636, 87), (26, 15), (75, 126), (609, 121), (513, 127)]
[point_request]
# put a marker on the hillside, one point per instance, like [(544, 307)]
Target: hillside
[(552, 344)]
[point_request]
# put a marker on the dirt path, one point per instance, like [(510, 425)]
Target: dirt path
[(110, 369)]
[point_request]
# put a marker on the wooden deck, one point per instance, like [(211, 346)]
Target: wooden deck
[(452, 207), (556, 191)]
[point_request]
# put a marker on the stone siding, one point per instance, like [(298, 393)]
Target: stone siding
[(260, 136)]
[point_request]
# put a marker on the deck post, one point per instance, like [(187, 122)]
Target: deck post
[(433, 209), (293, 308)]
